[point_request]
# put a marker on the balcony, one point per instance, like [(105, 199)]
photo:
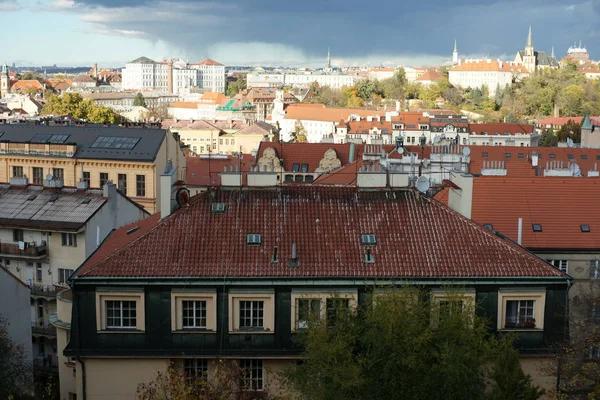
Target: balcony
[(42, 329), (30, 251), (47, 291)]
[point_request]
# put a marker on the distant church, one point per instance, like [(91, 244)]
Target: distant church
[(535, 60), (4, 81)]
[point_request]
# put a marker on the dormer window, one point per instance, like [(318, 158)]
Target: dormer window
[(537, 227), (507, 155), (296, 168), (304, 167), (484, 154), (253, 239), (585, 228), (368, 239), (217, 208)]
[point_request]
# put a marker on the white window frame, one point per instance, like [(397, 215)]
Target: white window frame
[(595, 269), (196, 365), (69, 239), (268, 300), (177, 299), (562, 265), (103, 296), (252, 368), (351, 295), (539, 307)]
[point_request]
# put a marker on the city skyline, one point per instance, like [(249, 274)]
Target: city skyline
[(269, 33)]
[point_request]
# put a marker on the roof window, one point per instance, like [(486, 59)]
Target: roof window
[(484, 154), (130, 231), (584, 156), (304, 167), (296, 168), (115, 142), (507, 155), (32, 197), (570, 156), (217, 208), (552, 155), (368, 239), (521, 155), (53, 198), (253, 239), (585, 228), (86, 200), (536, 227)]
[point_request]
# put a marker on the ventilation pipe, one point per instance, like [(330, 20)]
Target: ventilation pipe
[(352, 150), (520, 232)]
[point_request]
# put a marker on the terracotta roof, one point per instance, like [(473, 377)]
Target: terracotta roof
[(358, 127), (229, 124), (383, 69), (559, 205), (204, 171), (119, 238), (518, 164), (208, 61), (501, 128), (590, 71), (560, 121), (430, 76), (326, 224), (185, 124), (442, 195), (326, 114), (27, 83), (489, 65), (411, 119), (259, 128), (342, 176), (184, 104), (305, 153), (213, 98), (83, 78)]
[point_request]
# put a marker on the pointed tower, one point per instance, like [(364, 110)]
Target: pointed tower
[(552, 55), (455, 54), (587, 139), (4, 81), (328, 58), (529, 54)]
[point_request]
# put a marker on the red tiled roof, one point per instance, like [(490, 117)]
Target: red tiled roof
[(519, 162), (326, 114), (208, 61), (501, 128), (342, 176), (184, 104), (429, 76), (411, 118), (27, 83), (560, 205), (357, 127), (489, 65), (416, 237), (560, 121), (305, 153), (206, 172)]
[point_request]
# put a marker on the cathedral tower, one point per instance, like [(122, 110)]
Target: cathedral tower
[(4, 81), (455, 54), (529, 53)]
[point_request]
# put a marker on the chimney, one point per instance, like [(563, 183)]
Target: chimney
[(170, 76), (167, 195), (109, 190), (82, 185), (520, 231), (51, 182), (460, 199), (95, 71), (293, 262), (21, 181)]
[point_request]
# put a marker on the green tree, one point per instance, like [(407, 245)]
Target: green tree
[(571, 100), (15, 371), (548, 139), (367, 88), (399, 346), (139, 100), (508, 379), (33, 76), (395, 87), (236, 86), (74, 105), (569, 130), (510, 118)]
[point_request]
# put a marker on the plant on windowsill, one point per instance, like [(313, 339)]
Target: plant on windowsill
[(510, 325), (529, 323)]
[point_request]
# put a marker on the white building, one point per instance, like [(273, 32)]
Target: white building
[(299, 79), (503, 134), (382, 73), (173, 75), (492, 73)]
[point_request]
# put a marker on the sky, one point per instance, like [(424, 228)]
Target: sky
[(290, 33)]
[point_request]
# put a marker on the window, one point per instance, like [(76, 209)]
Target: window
[(115, 142), (296, 168), (17, 235), (122, 183), (17, 172), (521, 310), (140, 185), (253, 374), (484, 154), (38, 272), (368, 239), (103, 179), (193, 311), (86, 178), (595, 269), (536, 227), (217, 208), (507, 155), (69, 239), (289, 178), (195, 368), (120, 314), (584, 156), (521, 155), (253, 239), (563, 265), (38, 176), (49, 138), (194, 314), (251, 312), (63, 275), (585, 228), (304, 167), (448, 303), (309, 310), (335, 309), (58, 173), (252, 315), (552, 155)]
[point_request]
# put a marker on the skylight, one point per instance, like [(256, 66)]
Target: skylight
[(368, 239), (296, 167), (585, 228), (484, 154), (49, 138), (253, 239), (115, 142), (537, 227), (521, 155), (552, 155), (217, 208), (304, 167)]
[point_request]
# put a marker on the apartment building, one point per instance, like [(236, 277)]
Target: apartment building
[(503, 134), (153, 98), (491, 73), (173, 75), (336, 80), (248, 282), (132, 157)]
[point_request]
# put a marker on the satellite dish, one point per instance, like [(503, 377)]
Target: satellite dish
[(400, 150), (466, 151), (422, 184), (182, 197), (569, 142), (49, 177), (436, 139), (575, 169)]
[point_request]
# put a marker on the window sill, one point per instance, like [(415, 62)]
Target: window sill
[(252, 332), (121, 331), (521, 330), (196, 331)]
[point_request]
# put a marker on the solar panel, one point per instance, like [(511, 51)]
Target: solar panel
[(49, 138), (115, 142)]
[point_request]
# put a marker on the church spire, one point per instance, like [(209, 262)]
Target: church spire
[(455, 53), (328, 58), (529, 38), (552, 55), (455, 48)]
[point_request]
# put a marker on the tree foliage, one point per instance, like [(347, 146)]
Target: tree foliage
[(399, 347), (236, 86), (139, 100), (226, 382), (72, 104), (15, 370)]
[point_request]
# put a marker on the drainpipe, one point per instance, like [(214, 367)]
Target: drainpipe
[(83, 388)]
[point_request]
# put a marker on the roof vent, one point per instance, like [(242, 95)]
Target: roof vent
[(130, 231), (293, 262), (86, 200), (275, 257), (53, 198), (369, 257), (32, 197)]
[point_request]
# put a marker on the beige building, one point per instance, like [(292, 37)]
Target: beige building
[(492, 73), (133, 158)]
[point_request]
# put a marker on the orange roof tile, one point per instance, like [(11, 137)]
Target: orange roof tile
[(489, 65), (27, 83), (430, 76), (326, 114), (202, 171), (213, 98), (345, 175), (184, 104), (560, 121), (501, 128), (208, 61)]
